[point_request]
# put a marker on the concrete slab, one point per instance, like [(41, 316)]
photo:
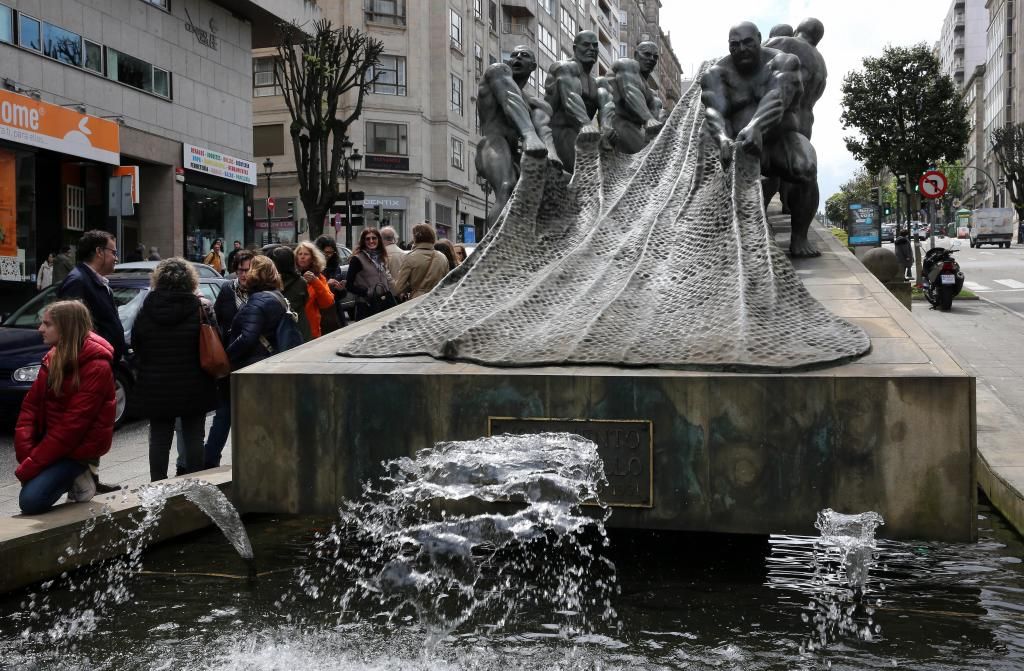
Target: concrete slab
[(730, 452)]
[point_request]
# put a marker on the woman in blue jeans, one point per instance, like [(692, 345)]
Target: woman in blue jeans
[(67, 418)]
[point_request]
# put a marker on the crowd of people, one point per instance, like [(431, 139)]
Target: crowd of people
[(277, 297)]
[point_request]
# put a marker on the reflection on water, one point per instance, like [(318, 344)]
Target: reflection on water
[(687, 601)]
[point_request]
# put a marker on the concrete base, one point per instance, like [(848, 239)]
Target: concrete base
[(31, 545), (893, 432)]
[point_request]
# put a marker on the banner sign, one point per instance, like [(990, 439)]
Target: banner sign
[(8, 206), (864, 225), (29, 121), (219, 165)]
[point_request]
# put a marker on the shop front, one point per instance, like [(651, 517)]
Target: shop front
[(392, 212), (217, 190), (54, 169)]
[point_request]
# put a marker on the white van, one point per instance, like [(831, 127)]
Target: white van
[(992, 226)]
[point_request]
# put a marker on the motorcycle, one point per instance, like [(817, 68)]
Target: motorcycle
[(941, 277)]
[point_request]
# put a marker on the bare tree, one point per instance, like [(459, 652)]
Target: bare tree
[(1008, 145), (315, 70)]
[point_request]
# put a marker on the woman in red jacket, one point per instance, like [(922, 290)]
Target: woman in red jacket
[(67, 418), (310, 262)]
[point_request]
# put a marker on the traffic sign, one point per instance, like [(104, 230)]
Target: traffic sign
[(270, 204), (933, 184)]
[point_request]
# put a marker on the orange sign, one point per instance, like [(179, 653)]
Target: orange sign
[(133, 172), (8, 206), (33, 122)]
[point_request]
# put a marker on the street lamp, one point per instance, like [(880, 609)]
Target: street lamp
[(268, 165), (486, 186), (350, 170)]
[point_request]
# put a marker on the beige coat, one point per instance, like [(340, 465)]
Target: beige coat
[(422, 268), (396, 257)]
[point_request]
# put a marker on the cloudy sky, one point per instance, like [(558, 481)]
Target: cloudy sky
[(853, 29)]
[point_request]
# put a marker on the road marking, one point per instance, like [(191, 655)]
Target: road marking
[(974, 286), (1013, 284)]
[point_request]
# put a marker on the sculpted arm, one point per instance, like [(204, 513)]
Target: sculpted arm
[(498, 82), (716, 104), (631, 85), (569, 90), (540, 111), (785, 87)]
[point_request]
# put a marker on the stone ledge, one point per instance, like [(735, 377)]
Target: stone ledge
[(31, 544)]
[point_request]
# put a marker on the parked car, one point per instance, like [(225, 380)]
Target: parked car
[(888, 232), (147, 267), (22, 348)]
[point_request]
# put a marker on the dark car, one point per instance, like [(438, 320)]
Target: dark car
[(22, 348)]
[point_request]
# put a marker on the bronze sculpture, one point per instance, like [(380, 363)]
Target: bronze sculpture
[(511, 123), (753, 100), (630, 113), (572, 93)]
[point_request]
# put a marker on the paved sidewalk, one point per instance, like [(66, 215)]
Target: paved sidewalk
[(126, 464), (987, 340)]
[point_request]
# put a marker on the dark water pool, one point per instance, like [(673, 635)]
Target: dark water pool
[(687, 601)]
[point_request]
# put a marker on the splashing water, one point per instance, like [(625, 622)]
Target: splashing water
[(834, 571), (66, 608), (404, 551)]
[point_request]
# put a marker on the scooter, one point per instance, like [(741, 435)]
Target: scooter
[(942, 278)]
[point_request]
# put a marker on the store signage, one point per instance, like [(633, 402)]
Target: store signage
[(372, 162), (8, 205), (388, 202), (38, 124), (207, 39), (219, 165), (864, 225)]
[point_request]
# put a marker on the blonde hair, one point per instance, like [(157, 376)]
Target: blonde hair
[(73, 323), (319, 260), (263, 275)]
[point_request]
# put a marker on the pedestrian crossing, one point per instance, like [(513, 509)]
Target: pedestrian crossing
[(1012, 285)]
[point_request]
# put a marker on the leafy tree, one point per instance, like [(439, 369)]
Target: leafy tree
[(836, 207), (315, 70), (1008, 145), (908, 114)]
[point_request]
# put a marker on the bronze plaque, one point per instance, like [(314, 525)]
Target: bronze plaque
[(626, 447)]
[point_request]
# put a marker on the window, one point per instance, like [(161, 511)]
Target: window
[(6, 24), (478, 55), (582, 4), (28, 32), (137, 73), (492, 16), (533, 82), (159, 3), (455, 30), (623, 50), (390, 76), (443, 215), (457, 150), (456, 94), (387, 138), (93, 56), (62, 45), (268, 140), (568, 23), (546, 4), (264, 83), (547, 41), (478, 9), (386, 11)]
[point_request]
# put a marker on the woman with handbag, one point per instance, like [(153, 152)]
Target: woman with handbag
[(66, 421), (254, 329), (171, 382), (368, 277), (310, 263)]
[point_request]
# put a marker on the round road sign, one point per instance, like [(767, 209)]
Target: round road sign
[(933, 184)]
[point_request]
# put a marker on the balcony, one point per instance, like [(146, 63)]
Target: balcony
[(518, 7), (517, 29)]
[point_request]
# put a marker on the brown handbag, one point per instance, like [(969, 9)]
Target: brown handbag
[(212, 357)]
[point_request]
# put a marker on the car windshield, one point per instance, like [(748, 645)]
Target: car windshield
[(30, 315)]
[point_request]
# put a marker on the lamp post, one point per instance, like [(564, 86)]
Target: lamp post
[(350, 170), (268, 165), (486, 186)]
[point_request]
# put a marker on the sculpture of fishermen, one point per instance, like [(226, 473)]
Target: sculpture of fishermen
[(752, 99), (511, 123), (630, 112), (572, 93)]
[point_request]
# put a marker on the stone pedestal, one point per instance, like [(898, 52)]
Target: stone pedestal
[(893, 432)]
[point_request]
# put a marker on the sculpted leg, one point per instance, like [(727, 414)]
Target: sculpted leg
[(495, 162), (801, 164)]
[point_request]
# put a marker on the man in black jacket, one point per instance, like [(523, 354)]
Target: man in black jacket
[(87, 282)]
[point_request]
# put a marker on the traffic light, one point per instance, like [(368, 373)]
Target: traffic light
[(874, 194), (378, 212), (343, 207), (291, 209), (887, 209)]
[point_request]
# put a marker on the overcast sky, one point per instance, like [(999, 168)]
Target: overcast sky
[(853, 30)]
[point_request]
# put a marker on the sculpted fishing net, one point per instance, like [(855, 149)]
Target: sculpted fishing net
[(662, 258)]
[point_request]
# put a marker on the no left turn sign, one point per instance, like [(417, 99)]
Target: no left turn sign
[(933, 184)]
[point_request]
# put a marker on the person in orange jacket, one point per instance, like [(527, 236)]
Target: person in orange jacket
[(310, 262)]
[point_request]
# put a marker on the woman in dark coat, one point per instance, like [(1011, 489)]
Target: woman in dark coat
[(171, 383), (253, 331), (293, 287), (368, 277)]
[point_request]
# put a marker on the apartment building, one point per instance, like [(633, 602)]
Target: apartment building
[(974, 153), (961, 46), (418, 132), (999, 84), (159, 90)]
